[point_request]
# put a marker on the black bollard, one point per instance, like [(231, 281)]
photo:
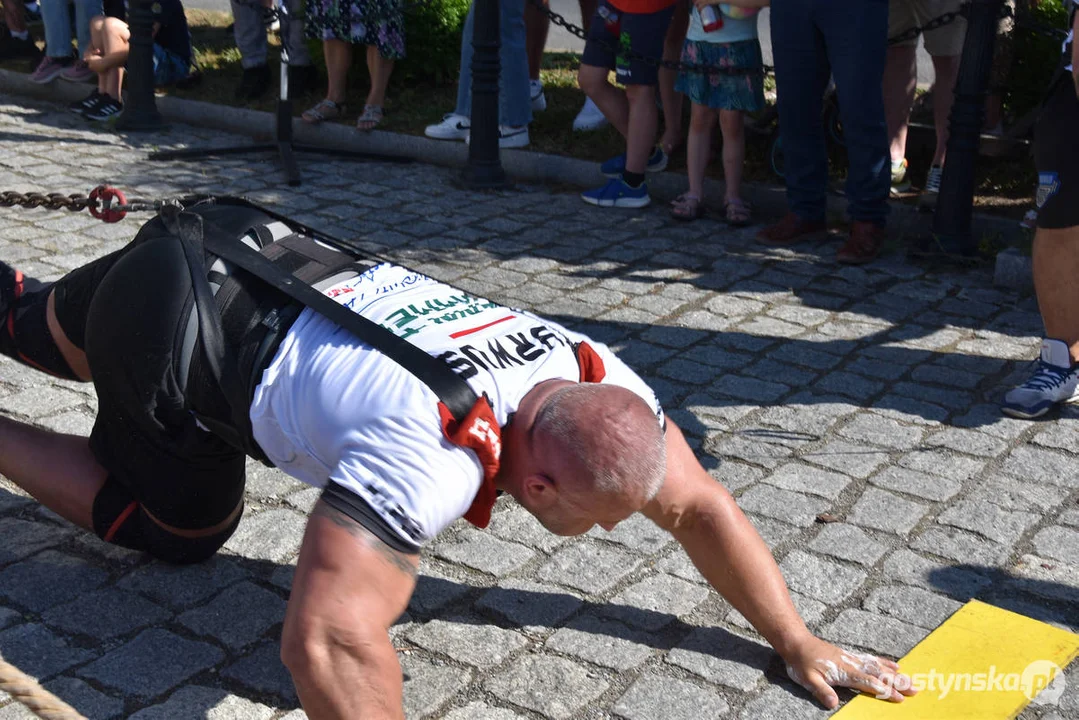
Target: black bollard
[(952, 220), (140, 110), (484, 170)]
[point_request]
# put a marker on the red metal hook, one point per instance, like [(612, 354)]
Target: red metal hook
[(102, 198)]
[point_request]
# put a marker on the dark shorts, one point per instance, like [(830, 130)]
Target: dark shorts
[(128, 312), (1056, 156), (613, 29)]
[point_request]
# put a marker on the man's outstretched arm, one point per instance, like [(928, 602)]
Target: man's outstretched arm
[(731, 555), (348, 589)]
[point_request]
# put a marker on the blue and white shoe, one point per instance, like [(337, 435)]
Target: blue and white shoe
[(1053, 381), (614, 167), (616, 193)]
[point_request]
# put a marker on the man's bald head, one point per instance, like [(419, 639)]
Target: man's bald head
[(610, 435)]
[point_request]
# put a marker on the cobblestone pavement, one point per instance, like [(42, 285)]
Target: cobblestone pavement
[(808, 388)]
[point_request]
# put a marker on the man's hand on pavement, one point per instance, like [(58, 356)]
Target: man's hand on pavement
[(819, 666)]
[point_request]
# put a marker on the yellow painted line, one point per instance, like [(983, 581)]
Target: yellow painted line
[(982, 663)]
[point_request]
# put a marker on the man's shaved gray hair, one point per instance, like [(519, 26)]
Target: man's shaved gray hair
[(613, 435)]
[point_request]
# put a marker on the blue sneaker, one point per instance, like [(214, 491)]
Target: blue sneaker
[(617, 194), (1053, 381), (613, 168)]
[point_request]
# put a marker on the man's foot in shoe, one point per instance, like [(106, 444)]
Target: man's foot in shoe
[(535, 91), (452, 127), (49, 69), (863, 245), (78, 71), (1054, 380), (614, 167), (105, 108), (509, 137), (932, 180), (790, 230), (254, 83), (616, 193), (589, 118), (900, 181), (301, 79), (79, 107)]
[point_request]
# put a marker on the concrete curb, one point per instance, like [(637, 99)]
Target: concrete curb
[(1013, 270), (905, 221)]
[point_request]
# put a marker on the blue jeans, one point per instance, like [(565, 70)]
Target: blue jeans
[(54, 15), (847, 38), (514, 98)]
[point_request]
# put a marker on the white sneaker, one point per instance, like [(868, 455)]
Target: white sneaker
[(1053, 381), (535, 91), (590, 117), (932, 180), (452, 127), (510, 137)]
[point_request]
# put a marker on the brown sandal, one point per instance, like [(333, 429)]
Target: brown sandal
[(687, 207), (369, 120), (322, 111), (738, 213)]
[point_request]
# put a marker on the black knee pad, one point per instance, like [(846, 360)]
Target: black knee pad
[(119, 519), (24, 330)]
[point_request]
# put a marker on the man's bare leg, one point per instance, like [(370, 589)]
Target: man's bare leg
[(1056, 266)]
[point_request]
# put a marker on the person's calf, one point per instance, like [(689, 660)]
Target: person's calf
[(24, 329)]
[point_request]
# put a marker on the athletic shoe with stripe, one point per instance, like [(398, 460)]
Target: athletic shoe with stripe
[(452, 127), (81, 106), (616, 193), (614, 167), (1055, 380)]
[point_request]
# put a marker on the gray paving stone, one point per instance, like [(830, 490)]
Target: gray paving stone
[(529, 604), (798, 477), (1070, 517), (907, 567), (49, 578), (518, 525), (847, 542), (722, 658), (918, 484), (483, 552), (237, 617), (556, 687), (773, 532), (468, 641), (809, 609), (652, 697), (882, 510), (22, 538), (205, 702), (36, 402), (751, 450), (735, 476), (263, 671), (38, 652), (1059, 543), (607, 565), (8, 617), (481, 711), (877, 633), (429, 685), (820, 579), (853, 459), (960, 546), (790, 507), (784, 703), (911, 605), (1061, 435), (882, 431), (906, 409), (751, 389), (655, 601), (182, 586), (857, 387), (944, 463), (1042, 466), (154, 662), (988, 520), (85, 614), (636, 533), (272, 535), (604, 642), (85, 699), (967, 441)]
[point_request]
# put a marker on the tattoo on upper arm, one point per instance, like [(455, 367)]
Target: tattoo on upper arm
[(402, 561)]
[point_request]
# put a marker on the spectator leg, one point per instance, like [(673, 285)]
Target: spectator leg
[(115, 40), (702, 124), (537, 26), (294, 41), (610, 100), (249, 33), (57, 24), (338, 55), (514, 98), (900, 81), (379, 68), (1056, 265), (672, 100), (946, 70), (856, 41), (84, 11), (15, 16), (643, 122), (801, 76), (464, 78), (732, 123)]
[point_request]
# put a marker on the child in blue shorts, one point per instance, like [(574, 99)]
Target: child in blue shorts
[(729, 96)]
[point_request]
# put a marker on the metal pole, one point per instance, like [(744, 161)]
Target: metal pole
[(140, 110), (484, 169), (952, 220)]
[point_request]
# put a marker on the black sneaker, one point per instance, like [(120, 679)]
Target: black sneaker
[(10, 279), (105, 107), (301, 80), (79, 107), (255, 82)]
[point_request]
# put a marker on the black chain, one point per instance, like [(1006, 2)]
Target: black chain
[(72, 203)]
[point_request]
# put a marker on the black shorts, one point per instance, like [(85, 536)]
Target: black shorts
[(642, 33), (1056, 156), (128, 311)]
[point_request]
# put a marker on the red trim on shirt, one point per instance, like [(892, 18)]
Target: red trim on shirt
[(462, 333), (480, 433)]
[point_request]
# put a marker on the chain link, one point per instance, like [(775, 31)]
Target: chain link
[(73, 203)]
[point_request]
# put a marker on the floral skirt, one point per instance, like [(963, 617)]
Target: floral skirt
[(724, 91), (361, 22)]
